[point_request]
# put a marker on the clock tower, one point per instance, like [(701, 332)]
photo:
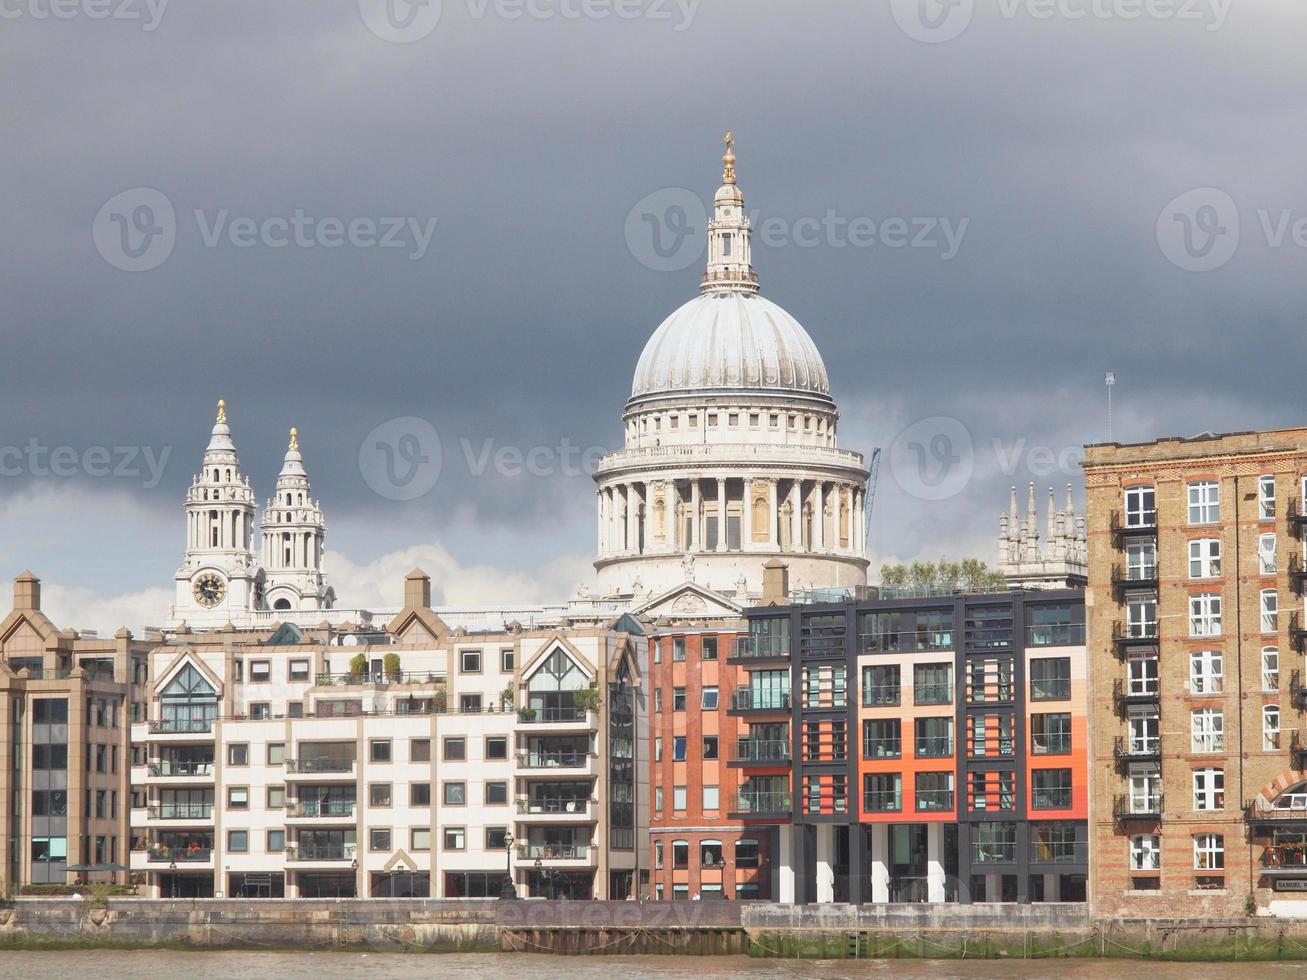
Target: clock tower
[(219, 580)]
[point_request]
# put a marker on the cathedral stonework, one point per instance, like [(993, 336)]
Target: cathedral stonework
[(730, 457)]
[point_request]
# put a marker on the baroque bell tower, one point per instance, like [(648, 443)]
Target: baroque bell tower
[(293, 535)]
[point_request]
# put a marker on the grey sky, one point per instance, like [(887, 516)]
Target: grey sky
[(1060, 141)]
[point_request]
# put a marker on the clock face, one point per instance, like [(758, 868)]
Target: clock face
[(209, 590)]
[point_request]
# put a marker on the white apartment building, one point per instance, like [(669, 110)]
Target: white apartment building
[(301, 764)]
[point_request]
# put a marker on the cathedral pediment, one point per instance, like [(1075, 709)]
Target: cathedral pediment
[(689, 601)]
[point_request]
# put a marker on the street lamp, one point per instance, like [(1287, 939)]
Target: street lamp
[(508, 890)]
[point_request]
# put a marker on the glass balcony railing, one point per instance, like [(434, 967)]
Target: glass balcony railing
[(181, 811), (320, 852), (321, 808), (933, 694), (182, 854), (762, 802), (181, 726), (873, 697), (882, 801), (181, 769), (551, 715), (553, 760), (1056, 635), (882, 748), (762, 750), (320, 765), (553, 852), (934, 746), (934, 800), (748, 699), (554, 804), (759, 647)]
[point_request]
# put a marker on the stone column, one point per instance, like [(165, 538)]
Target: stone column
[(784, 859), (825, 863), (934, 862), (746, 516), (796, 516), (721, 514), (601, 544), (696, 525), (673, 516), (819, 517), (774, 518), (632, 520)]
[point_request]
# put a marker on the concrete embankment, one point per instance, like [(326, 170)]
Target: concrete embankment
[(610, 928)]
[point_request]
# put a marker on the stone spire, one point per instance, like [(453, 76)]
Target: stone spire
[(1059, 561), (729, 232), (294, 533)]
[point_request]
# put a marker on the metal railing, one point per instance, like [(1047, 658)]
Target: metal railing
[(882, 801), (1059, 852), (775, 647), (180, 769), (553, 852), (320, 852), (1282, 858), (1128, 749), (932, 694), (1056, 635), (180, 811), (319, 765), (882, 748), (554, 760), (555, 804), (934, 800), (1133, 806), (1050, 799), (180, 854), (370, 678), (748, 699), (181, 726), (934, 746), (762, 802), (762, 750), (530, 715), (320, 808), (882, 696)]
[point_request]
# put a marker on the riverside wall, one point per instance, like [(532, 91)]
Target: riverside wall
[(614, 928)]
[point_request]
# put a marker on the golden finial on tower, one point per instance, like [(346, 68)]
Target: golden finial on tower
[(728, 174), (222, 411), (294, 439)]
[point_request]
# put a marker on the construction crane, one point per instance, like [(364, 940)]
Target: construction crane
[(874, 474)]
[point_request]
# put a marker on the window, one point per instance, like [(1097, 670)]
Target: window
[(746, 853), (238, 755), (1209, 852), (678, 649), (1209, 789), (455, 748), (1050, 734), (298, 670), (238, 841), (1270, 610), (1205, 558), (880, 685), (1146, 852), (1207, 726), (1266, 498), (276, 753), (658, 700), (678, 797), (276, 841), (419, 794), (1145, 730), (881, 739), (934, 791), (658, 854), (419, 839), (1051, 789), (709, 699), (1141, 615), (506, 661), (680, 854), (1266, 554), (1050, 679), (469, 661), (260, 711), (1206, 672), (469, 704), (260, 671), (496, 747), (711, 798), (1145, 791), (379, 839), (380, 750), (658, 798), (710, 854), (379, 794), (455, 838), (1204, 502), (496, 838), (658, 749), (658, 651), (1270, 669), (678, 748), (1271, 728), (497, 793), (1141, 560), (710, 750), (276, 797), (934, 738), (678, 699), (932, 684), (1205, 614), (708, 648), (1141, 507), (455, 794), (238, 798), (882, 792), (419, 750)]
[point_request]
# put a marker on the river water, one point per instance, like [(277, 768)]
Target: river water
[(173, 964)]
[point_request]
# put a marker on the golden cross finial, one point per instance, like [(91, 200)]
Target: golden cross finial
[(222, 411), (294, 438), (728, 174)]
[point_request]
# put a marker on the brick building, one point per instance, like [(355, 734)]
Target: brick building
[(1195, 578)]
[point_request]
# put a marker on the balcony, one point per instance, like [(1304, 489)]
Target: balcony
[(406, 678), (1124, 578), (1126, 636), (180, 812), (1123, 696), (1146, 807), (569, 717), (758, 649), (934, 801), (320, 768), (1297, 635), (762, 803), (1289, 810), (1284, 860), (1297, 517), (1297, 692), (882, 801), (198, 772), (563, 762), (320, 853), (563, 808), (1297, 574), (747, 699), (578, 854), (761, 752), (1127, 750), (321, 811), (933, 746), (1146, 526), (1059, 852), (160, 857), (180, 730)]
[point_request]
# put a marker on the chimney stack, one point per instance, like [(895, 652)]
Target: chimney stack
[(27, 592), (417, 590)]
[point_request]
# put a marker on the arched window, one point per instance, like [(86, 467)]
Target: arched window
[(1293, 798), (281, 604), (189, 702), (680, 854), (288, 499)]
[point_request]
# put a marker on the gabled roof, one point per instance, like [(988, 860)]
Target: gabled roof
[(689, 601)]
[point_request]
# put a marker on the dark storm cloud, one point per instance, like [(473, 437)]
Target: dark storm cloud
[(1059, 141)]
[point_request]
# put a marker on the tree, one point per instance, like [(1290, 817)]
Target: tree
[(968, 575)]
